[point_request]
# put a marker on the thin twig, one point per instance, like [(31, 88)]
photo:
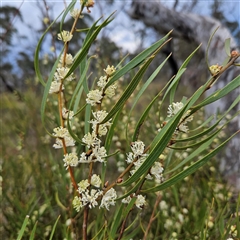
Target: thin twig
[(152, 218)]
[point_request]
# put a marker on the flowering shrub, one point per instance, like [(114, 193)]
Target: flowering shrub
[(108, 204)]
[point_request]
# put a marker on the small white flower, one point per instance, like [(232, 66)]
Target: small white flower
[(91, 198), (77, 203), (83, 185), (68, 222), (233, 231), (66, 113), (102, 129), (100, 153), (99, 116), (109, 198), (83, 158), (94, 97), (68, 60), (62, 133), (174, 108), (69, 141), (102, 81), (137, 148), (75, 13), (55, 87), (60, 74), (126, 200), (110, 91), (138, 163), (109, 70), (185, 211), (163, 205), (70, 159), (140, 202), (130, 158), (91, 140), (96, 181), (65, 36), (168, 223), (157, 171), (183, 128)]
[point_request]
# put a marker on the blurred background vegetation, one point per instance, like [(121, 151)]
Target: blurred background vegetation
[(33, 176)]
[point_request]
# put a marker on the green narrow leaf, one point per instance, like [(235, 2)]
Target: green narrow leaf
[(193, 168), (100, 231), (66, 12), (195, 153), (173, 82), (196, 144), (227, 47), (235, 83), (129, 207), (46, 92), (33, 231), (183, 66), (116, 222), (24, 225), (36, 55), (208, 45), (201, 134), (54, 228)]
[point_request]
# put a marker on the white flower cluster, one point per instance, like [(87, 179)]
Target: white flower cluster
[(95, 96), (173, 109), (90, 197), (98, 153), (65, 36), (110, 70), (62, 133), (137, 157), (70, 159), (140, 201), (68, 60), (60, 74), (75, 13)]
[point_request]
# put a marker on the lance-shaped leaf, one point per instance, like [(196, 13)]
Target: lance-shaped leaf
[(36, 55), (184, 65), (46, 92), (205, 144), (193, 168), (235, 83)]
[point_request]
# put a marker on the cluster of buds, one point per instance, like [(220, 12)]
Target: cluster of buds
[(215, 69)]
